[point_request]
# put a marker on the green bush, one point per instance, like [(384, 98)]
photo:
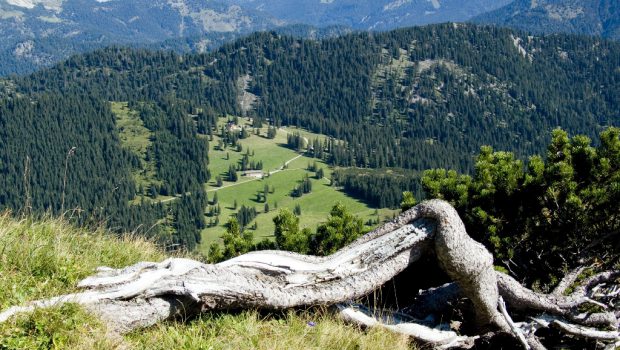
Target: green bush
[(546, 216)]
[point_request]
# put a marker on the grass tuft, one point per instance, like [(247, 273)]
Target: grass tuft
[(250, 330), (66, 327)]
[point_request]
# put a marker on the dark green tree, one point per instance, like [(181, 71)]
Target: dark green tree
[(340, 229), (287, 234)]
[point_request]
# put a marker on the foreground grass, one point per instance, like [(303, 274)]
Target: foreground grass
[(250, 330), (66, 327), (39, 259)]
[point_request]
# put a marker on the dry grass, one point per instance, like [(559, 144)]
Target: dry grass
[(44, 258)]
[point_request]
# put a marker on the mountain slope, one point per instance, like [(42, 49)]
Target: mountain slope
[(123, 21), (40, 32), (369, 14), (439, 91), (591, 17), (413, 98), (37, 33)]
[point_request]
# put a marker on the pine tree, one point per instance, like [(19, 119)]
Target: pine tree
[(408, 201), (320, 174), (232, 173)]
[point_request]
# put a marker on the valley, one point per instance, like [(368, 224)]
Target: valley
[(158, 135), (282, 170)]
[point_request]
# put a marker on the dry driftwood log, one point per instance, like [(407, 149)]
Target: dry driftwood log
[(146, 293)]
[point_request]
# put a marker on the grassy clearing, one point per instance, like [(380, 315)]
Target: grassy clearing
[(132, 133), (40, 259), (272, 152), (315, 205), (135, 137)]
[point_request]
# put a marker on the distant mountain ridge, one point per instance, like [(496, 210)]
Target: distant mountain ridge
[(37, 33), (137, 20), (369, 14), (590, 17), (40, 32)]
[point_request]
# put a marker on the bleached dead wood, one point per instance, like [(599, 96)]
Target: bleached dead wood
[(576, 330), (513, 328), (441, 337), (147, 293), (270, 279)]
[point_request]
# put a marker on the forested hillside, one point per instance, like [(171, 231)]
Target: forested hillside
[(39, 33), (591, 17), (413, 98), (431, 96)]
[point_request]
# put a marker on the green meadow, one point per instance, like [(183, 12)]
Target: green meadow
[(274, 154), (136, 138)]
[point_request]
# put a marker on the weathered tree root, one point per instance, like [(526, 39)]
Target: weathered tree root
[(147, 293), (435, 300)]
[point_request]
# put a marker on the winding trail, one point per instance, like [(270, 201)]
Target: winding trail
[(281, 168)]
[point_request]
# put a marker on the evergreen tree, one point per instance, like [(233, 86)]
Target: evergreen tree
[(340, 229), (319, 174), (232, 174), (236, 240), (540, 217), (287, 233), (271, 132), (408, 201)]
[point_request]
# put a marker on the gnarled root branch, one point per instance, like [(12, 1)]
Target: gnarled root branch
[(147, 293), (562, 312)]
